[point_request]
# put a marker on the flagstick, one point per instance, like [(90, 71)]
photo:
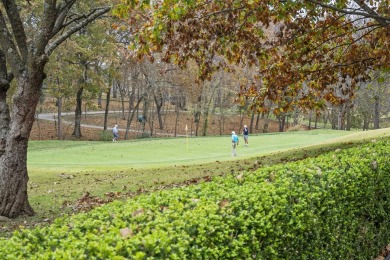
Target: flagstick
[(187, 135)]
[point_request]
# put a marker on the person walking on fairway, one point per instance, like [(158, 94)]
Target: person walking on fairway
[(115, 133), (245, 133), (234, 143)]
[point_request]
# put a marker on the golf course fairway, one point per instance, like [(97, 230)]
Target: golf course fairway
[(80, 156)]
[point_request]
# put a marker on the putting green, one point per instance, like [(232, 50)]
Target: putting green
[(78, 156)]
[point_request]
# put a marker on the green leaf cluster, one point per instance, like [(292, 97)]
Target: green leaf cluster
[(334, 206)]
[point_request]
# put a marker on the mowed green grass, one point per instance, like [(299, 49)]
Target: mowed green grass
[(84, 156)]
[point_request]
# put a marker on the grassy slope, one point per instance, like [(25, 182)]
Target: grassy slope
[(63, 170)]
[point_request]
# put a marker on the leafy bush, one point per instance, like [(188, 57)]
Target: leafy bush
[(331, 207), (105, 135)]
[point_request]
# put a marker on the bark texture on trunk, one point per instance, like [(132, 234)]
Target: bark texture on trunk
[(77, 114), (282, 121), (13, 173), (14, 178), (4, 115), (4, 110), (107, 109)]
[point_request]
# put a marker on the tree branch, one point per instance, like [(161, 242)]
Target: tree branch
[(62, 11), (94, 15), (384, 21), (227, 10), (78, 18), (5, 77), (328, 40), (46, 30), (348, 44), (65, 5), (9, 47), (339, 65), (17, 26)]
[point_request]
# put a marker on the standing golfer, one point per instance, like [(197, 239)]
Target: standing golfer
[(115, 133), (245, 133), (234, 143)]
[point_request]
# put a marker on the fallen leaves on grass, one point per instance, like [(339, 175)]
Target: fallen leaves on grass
[(88, 202)]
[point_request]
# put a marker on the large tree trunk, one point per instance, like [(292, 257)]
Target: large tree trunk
[(13, 160), (14, 178)]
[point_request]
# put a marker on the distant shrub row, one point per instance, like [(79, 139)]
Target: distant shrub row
[(335, 206)]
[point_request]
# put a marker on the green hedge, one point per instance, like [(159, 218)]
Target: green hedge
[(332, 207)]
